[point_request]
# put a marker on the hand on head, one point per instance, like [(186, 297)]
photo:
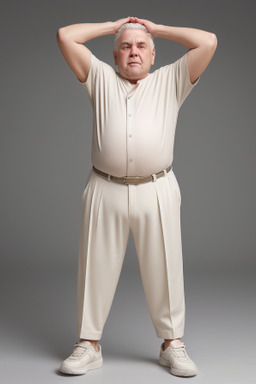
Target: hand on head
[(151, 27), (118, 23)]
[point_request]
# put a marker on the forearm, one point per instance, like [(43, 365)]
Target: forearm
[(82, 32), (189, 37)]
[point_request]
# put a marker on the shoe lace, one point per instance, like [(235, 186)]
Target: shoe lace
[(180, 352), (79, 350)]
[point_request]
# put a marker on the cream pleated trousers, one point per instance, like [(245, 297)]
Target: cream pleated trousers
[(152, 212)]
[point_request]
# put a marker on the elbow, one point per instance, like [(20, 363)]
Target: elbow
[(60, 34), (212, 41)]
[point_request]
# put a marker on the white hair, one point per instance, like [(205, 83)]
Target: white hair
[(133, 26)]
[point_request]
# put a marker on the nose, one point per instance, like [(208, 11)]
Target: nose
[(134, 51)]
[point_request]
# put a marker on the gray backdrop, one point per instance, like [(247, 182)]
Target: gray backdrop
[(46, 131)]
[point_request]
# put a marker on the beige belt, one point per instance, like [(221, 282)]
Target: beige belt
[(133, 179)]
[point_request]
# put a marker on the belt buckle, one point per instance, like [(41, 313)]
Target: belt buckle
[(132, 179)]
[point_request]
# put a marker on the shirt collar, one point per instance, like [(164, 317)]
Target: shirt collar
[(127, 81)]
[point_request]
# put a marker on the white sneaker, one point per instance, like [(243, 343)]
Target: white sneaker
[(83, 358), (177, 359)]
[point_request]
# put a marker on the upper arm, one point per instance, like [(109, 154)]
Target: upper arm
[(199, 58), (77, 56)]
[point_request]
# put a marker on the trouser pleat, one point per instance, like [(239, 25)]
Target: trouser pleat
[(157, 237)]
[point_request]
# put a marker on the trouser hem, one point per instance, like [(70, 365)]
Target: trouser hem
[(90, 335), (167, 334)]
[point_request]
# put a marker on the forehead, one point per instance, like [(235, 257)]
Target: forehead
[(133, 35)]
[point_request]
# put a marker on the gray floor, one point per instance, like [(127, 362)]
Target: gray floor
[(38, 327)]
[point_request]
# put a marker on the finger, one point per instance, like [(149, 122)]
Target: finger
[(140, 21), (124, 21)]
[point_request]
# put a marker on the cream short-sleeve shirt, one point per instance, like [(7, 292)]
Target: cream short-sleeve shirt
[(134, 124)]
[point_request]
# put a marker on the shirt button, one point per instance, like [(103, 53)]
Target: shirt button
[(130, 135), (130, 115), (130, 160)]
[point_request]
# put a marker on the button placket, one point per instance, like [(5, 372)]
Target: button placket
[(130, 140)]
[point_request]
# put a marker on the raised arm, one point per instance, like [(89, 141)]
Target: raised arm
[(201, 44), (71, 41)]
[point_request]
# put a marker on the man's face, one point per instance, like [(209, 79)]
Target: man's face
[(134, 56)]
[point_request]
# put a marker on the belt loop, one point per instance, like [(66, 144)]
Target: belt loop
[(108, 178), (165, 172), (154, 177)]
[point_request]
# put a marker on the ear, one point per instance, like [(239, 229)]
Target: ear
[(153, 57), (115, 56)]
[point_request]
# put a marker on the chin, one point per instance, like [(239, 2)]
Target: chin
[(135, 72)]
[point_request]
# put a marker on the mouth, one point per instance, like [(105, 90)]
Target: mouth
[(133, 63)]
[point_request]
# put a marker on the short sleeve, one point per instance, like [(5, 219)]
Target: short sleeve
[(99, 76), (89, 84), (183, 83)]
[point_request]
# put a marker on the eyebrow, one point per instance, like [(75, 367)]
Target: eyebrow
[(139, 42)]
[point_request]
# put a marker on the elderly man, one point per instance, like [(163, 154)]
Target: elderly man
[(132, 186)]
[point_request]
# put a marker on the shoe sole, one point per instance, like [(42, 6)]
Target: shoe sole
[(174, 371), (81, 371)]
